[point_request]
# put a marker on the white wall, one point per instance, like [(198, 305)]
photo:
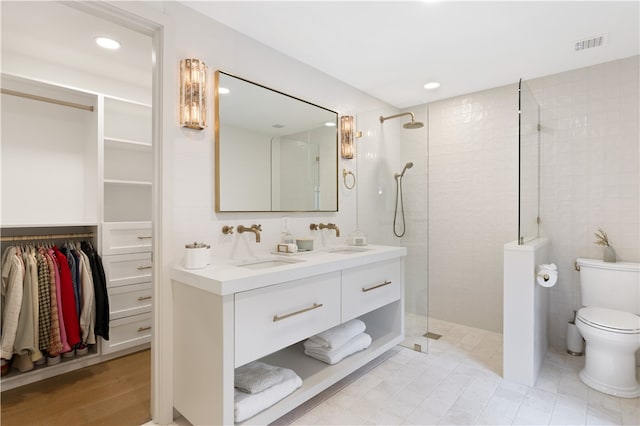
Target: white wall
[(590, 172), (222, 48)]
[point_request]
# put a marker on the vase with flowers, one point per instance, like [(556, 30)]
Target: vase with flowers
[(609, 254)]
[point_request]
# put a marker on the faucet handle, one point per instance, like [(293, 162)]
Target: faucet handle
[(258, 227), (227, 229), (313, 227)]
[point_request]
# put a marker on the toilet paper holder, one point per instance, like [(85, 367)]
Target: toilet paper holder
[(543, 276)]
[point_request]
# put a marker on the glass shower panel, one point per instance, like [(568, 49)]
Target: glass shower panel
[(529, 167)]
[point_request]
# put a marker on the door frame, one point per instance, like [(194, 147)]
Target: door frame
[(150, 20)]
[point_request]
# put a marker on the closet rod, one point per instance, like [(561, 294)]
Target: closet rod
[(47, 237), (44, 99)]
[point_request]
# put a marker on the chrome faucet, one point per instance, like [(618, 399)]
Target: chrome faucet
[(254, 228), (330, 226)]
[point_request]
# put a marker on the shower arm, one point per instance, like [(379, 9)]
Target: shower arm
[(413, 118)]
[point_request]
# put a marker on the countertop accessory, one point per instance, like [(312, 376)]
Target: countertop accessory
[(197, 255)]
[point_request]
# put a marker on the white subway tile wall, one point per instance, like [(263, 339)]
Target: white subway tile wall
[(473, 205), (590, 172), (589, 179)]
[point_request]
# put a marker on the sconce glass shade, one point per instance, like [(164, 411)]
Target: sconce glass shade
[(193, 94), (346, 137)]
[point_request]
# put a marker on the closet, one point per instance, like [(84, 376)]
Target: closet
[(77, 166)]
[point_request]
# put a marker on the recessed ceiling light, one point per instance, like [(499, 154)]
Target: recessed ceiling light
[(432, 85), (107, 43), (329, 124), (223, 90)]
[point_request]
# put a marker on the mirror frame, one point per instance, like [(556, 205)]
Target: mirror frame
[(217, 148)]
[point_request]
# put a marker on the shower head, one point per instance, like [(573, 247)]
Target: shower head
[(406, 166), (413, 124)]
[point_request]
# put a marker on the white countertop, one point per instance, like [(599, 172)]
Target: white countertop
[(229, 277)]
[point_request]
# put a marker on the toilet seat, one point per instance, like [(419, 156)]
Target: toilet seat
[(610, 320)]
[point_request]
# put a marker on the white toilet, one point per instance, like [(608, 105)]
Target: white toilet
[(610, 325)]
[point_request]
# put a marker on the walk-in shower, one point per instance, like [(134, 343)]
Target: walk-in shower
[(413, 124)]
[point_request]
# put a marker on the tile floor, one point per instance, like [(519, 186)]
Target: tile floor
[(459, 383)]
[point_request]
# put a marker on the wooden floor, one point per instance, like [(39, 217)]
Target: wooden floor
[(114, 393)]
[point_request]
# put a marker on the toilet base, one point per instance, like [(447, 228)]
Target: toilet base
[(631, 392)]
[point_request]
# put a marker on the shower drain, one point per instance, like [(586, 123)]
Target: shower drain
[(430, 335)]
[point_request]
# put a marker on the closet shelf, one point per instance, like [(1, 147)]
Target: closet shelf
[(127, 182), (47, 225), (126, 144)]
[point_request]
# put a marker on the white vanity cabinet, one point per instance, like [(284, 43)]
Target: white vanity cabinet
[(226, 316)]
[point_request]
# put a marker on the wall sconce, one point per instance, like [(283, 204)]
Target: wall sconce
[(193, 94), (347, 131)]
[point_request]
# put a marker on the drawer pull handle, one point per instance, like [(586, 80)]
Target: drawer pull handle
[(141, 298), (364, 290), (144, 237), (301, 311), (140, 268), (141, 329)]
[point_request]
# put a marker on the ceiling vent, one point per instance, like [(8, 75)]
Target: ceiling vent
[(591, 42)]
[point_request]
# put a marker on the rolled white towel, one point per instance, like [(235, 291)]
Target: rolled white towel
[(336, 336), (257, 376), (360, 342), (249, 404)]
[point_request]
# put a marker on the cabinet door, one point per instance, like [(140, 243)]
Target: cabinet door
[(271, 318), (369, 287), (126, 269), (126, 237)]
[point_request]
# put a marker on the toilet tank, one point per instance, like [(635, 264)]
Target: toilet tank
[(613, 285)]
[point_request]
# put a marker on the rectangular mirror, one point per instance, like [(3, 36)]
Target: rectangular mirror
[(274, 152)]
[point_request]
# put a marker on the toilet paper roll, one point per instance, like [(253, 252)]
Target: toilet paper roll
[(547, 277)]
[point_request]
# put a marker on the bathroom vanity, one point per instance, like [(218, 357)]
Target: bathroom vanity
[(231, 313)]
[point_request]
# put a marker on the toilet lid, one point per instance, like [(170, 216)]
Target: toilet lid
[(610, 319)]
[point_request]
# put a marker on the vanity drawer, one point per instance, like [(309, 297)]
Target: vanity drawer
[(126, 269), (126, 301), (271, 318), (369, 287), (128, 332), (126, 237)]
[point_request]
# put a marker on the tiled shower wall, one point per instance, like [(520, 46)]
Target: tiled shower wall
[(472, 196), (589, 173), (589, 179)]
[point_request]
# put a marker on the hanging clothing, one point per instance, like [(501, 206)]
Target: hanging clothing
[(100, 291), (88, 313), (71, 323), (72, 263), (26, 342), (49, 304), (44, 303), (61, 318), (12, 277), (55, 341)]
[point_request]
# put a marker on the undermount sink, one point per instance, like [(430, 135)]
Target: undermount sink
[(349, 250), (268, 263)]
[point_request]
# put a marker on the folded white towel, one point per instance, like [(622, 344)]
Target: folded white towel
[(257, 376), (248, 405), (356, 344), (336, 336)]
